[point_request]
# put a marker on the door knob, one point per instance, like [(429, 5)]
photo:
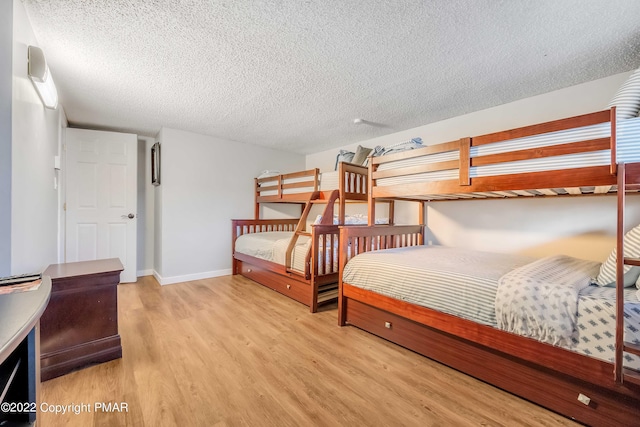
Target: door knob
[(130, 216)]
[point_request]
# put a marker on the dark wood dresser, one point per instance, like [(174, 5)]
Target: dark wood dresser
[(80, 325)]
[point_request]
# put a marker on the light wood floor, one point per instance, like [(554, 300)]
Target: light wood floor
[(227, 351)]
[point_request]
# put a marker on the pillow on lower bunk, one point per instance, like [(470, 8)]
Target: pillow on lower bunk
[(607, 275), (627, 99)]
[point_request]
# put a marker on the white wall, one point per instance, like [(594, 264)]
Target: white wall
[(205, 182), (578, 226), (145, 212), (35, 142), (6, 71)]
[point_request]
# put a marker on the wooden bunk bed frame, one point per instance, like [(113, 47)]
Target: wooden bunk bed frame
[(317, 284), (583, 388)]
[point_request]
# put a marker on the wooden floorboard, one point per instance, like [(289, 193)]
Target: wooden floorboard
[(229, 352)]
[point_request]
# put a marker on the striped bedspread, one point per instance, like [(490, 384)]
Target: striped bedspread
[(465, 283), (454, 281)]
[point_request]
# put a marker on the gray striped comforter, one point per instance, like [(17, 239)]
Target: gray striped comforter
[(456, 281)]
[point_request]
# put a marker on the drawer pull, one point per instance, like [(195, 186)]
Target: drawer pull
[(248, 270), (387, 325), (288, 286)]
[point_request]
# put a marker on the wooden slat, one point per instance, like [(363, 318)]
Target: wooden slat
[(573, 190), (412, 170), (631, 376), (418, 152), (542, 152), (524, 193), (505, 193), (632, 348), (268, 188), (301, 184), (553, 126), (603, 189), (632, 261), (301, 174), (465, 161)]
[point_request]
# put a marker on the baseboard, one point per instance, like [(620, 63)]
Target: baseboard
[(141, 273), (190, 277)]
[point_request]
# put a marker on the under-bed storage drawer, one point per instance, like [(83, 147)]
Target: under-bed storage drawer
[(546, 387), (288, 286)]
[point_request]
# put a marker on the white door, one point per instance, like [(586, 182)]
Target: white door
[(101, 198)]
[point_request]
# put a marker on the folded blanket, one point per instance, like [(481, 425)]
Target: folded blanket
[(540, 300)]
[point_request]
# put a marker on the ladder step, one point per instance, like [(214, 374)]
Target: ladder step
[(632, 348), (327, 295), (630, 376), (303, 233), (632, 261)]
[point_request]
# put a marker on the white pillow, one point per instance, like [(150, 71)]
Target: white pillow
[(627, 99), (607, 275), (268, 173)]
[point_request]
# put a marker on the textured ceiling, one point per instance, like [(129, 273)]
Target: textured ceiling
[(293, 74)]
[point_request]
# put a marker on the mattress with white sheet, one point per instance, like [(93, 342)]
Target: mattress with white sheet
[(627, 150), (272, 246), (465, 283)]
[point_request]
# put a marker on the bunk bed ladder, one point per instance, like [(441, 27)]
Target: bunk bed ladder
[(301, 228), (622, 374)]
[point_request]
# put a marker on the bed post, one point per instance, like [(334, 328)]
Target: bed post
[(465, 161), (234, 235), (614, 159), (619, 346), (256, 209), (371, 202), (342, 261)]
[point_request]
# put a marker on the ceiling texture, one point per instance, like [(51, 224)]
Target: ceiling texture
[(293, 74)]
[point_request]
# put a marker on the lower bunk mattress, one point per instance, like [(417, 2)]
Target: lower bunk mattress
[(272, 246), (549, 299)]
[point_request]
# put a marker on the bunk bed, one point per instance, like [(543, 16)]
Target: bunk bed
[(292, 256), (592, 154)]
